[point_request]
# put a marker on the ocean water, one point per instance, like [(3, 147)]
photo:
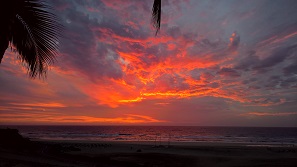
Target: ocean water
[(259, 135)]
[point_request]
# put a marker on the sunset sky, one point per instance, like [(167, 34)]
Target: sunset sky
[(213, 63)]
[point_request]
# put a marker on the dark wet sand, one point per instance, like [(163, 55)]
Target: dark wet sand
[(146, 154)]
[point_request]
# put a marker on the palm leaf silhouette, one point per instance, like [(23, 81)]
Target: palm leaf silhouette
[(32, 30), (156, 15)]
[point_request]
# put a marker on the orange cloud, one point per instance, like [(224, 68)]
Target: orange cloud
[(144, 61), (112, 93), (131, 100), (269, 114), (53, 104), (48, 117)]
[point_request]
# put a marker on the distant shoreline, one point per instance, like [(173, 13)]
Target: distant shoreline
[(143, 125), (174, 143)]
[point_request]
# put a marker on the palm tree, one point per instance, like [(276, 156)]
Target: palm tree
[(156, 15), (32, 30)]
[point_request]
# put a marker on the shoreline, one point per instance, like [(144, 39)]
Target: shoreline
[(172, 143), (175, 148)]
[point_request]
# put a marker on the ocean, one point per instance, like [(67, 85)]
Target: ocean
[(259, 135)]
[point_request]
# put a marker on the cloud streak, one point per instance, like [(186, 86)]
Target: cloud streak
[(45, 118), (262, 114)]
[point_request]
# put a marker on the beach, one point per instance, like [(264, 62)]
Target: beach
[(149, 154)]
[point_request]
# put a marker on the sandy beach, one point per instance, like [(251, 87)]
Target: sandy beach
[(150, 154)]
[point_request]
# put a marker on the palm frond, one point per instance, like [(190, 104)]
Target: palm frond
[(156, 15), (35, 34)]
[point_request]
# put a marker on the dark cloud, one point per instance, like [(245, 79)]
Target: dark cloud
[(254, 87), (251, 61), (207, 43), (245, 82), (269, 101), (228, 72), (271, 85), (195, 74), (81, 52), (289, 82), (174, 32), (291, 69), (214, 85), (248, 61), (274, 77), (113, 26), (272, 82), (208, 76), (277, 57)]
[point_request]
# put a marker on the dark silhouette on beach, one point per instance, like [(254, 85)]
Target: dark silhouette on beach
[(11, 139)]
